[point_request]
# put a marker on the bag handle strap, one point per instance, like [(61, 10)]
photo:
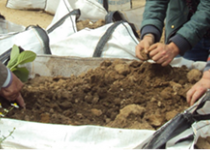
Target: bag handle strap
[(104, 39), (60, 22), (114, 16), (106, 5), (5, 57)]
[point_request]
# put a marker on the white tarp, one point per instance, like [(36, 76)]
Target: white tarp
[(40, 135)]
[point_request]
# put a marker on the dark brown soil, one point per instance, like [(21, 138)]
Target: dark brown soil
[(115, 94)]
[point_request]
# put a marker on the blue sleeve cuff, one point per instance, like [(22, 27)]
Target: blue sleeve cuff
[(181, 43), (151, 29), (8, 80)]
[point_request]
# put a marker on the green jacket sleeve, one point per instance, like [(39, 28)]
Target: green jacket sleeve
[(3, 74), (154, 15), (196, 27)]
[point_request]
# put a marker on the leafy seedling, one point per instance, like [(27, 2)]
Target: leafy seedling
[(16, 59)]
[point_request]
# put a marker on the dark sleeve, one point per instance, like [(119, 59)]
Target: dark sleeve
[(153, 17), (3, 74), (151, 29), (196, 27), (181, 43)]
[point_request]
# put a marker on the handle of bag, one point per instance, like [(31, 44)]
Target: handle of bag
[(44, 36), (106, 5), (5, 57), (114, 16), (60, 22), (104, 39)]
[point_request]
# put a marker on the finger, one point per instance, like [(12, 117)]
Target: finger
[(146, 47), (156, 56), (197, 95), (190, 94), (138, 53), (152, 47), (166, 62), (20, 101)]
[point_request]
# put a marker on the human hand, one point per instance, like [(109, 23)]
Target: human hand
[(163, 53), (144, 45), (199, 88), (12, 92)]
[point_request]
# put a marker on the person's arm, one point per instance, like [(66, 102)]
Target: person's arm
[(151, 26), (193, 30), (200, 87), (153, 18)]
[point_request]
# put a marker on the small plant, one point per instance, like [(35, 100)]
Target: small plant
[(16, 59), (5, 137)]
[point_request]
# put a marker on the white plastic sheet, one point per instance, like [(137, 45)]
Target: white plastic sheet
[(41, 136)]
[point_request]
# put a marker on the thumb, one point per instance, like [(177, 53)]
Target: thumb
[(146, 47)]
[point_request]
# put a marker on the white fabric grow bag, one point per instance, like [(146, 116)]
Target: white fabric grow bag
[(40, 135)]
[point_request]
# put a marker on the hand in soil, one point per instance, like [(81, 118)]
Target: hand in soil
[(143, 46), (12, 92), (163, 53), (200, 87)]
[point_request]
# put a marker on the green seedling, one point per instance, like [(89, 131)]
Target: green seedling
[(16, 59)]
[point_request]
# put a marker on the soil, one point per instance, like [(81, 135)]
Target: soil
[(116, 94)]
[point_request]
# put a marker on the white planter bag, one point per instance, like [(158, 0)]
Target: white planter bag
[(64, 21), (65, 40), (33, 38), (64, 27), (113, 40)]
